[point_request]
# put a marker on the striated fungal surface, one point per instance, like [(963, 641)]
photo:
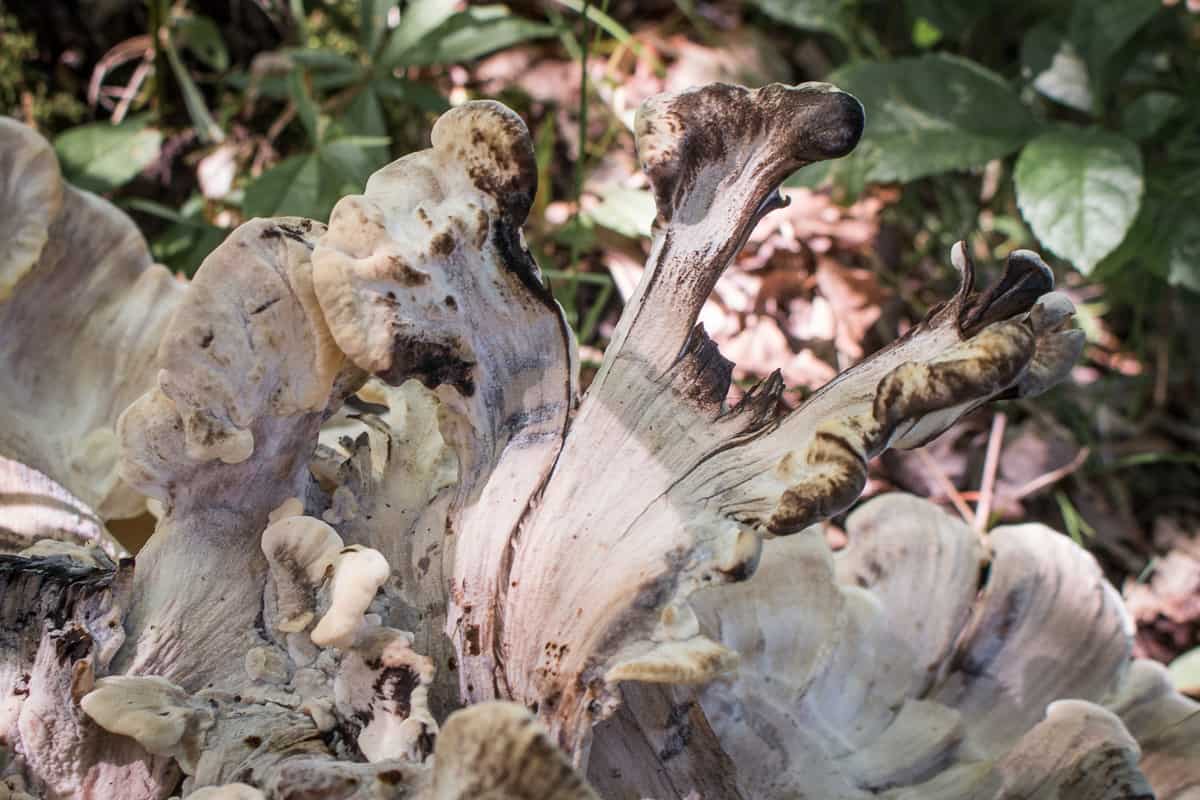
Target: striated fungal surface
[(398, 557)]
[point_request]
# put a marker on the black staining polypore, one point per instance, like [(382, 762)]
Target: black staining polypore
[(442, 245), (680, 135), (913, 391), (501, 160), (515, 258), (298, 230), (1026, 278), (395, 686), (839, 475), (678, 730), (702, 374), (405, 275), (71, 644), (434, 363)]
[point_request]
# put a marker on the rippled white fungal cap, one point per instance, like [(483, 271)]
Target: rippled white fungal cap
[(358, 573), (152, 711)]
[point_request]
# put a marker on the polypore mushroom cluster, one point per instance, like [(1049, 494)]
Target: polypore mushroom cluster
[(397, 555)]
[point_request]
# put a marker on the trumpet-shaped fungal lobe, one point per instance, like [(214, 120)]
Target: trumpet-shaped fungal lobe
[(380, 499), (358, 572), (301, 552)]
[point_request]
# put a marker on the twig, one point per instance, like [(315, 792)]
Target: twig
[(945, 484), (1054, 475), (991, 464), (131, 89)]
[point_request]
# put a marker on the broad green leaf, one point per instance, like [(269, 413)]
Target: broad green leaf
[(200, 36), (1146, 115), (350, 164), (373, 22), (932, 114), (414, 93), (1100, 28), (952, 18), (1079, 189), (824, 16), (320, 60), (188, 240), (364, 117), (420, 18), (1183, 247), (629, 212), (1185, 672), (290, 188), (193, 100), (472, 33), (101, 156), (306, 107)]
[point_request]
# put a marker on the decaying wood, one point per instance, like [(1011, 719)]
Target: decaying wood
[(381, 500)]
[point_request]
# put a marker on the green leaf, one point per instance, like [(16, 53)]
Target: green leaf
[(1183, 249), (373, 22), (932, 114), (101, 156), (1146, 115), (1185, 672), (420, 18), (952, 18), (823, 16), (185, 243), (472, 33), (320, 60), (290, 188), (306, 107), (925, 34), (1100, 28), (349, 164), (364, 117), (193, 100), (414, 93), (201, 37), (629, 212), (1079, 189)]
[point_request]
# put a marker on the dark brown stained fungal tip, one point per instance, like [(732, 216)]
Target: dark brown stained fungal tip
[(913, 390), (679, 135), (500, 159), (839, 477), (1026, 278)]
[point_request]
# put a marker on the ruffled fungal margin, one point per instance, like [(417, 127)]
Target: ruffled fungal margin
[(376, 506), (82, 309), (907, 678)]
